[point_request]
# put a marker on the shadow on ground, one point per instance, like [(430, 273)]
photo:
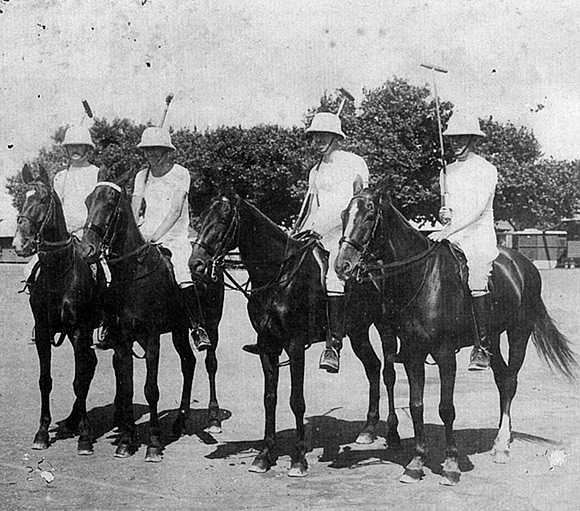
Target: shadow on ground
[(102, 421), (337, 440)]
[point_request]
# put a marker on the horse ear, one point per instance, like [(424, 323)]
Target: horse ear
[(42, 175), (103, 174), (357, 186), (26, 174)]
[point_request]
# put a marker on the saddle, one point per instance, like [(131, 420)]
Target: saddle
[(459, 256)]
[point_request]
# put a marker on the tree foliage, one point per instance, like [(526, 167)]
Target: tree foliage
[(394, 130)]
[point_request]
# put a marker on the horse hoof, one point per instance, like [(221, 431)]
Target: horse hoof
[(298, 470), (214, 429), (259, 466), (366, 438), (41, 441), (154, 455), (411, 476), (501, 457), (449, 478), (85, 448), (123, 451)]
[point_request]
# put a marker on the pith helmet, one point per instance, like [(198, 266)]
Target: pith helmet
[(326, 122), (156, 137), (463, 123), (78, 135)]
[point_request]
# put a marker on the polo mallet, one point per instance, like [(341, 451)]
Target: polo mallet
[(345, 95), (168, 100), (439, 70), (88, 111)]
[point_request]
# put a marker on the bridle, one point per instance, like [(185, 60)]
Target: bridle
[(37, 241), (107, 233), (369, 262), (217, 255)]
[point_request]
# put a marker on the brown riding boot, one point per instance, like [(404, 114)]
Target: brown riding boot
[(480, 355), (200, 339), (330, 358)]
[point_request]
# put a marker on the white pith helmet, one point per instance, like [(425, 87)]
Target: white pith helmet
[(463, 123), (326, 122), (78, 135), (156, 137)]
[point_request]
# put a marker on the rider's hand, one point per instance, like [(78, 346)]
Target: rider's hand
[(445, 215), (437, 236)]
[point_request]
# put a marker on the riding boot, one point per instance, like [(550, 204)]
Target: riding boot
[(480, 355), (199, 337), (330, 359)]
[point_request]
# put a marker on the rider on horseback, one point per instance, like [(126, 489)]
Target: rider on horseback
[(468, 221), (72, 186), (162, 188), (331, 186)]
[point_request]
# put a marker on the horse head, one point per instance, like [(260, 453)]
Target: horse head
[(103, 207), (217, 234), (38, 220), (359, 222)]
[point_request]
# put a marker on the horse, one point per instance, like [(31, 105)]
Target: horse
[(142, 302), (423, 283), (287, 309), (63, 300)]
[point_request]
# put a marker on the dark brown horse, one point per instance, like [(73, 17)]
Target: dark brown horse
[(287, 309), (141, 303), (421, 283), (63, 300)]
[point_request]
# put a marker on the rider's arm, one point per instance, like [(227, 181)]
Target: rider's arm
[(457, 225), (172, 216)]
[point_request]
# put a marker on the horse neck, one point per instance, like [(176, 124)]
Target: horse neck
[(262, 244), (127, 236), (55, 230), (396, 238)]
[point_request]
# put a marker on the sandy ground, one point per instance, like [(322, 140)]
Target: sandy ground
[(200, 471)]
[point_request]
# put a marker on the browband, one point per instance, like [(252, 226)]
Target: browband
[(108, 183)]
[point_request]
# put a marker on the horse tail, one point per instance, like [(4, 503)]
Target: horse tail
[(552, 345)]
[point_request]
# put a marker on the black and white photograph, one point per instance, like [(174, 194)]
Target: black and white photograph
[(289, 255)]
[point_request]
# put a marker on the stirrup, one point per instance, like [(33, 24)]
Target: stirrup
[(479, 360), (330, 360), (200, 339)]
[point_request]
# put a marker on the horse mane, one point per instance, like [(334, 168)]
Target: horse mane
[(266, 223), (383, 198)]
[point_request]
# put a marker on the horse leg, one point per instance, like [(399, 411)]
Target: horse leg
[(506, 379), (299, 467), (85, 364), (187, 357), (154, 446), (211, 366), (266, 457), (447, 363), (123, 366), (415, 369), (359, 340), (389, 345), (43, 349)]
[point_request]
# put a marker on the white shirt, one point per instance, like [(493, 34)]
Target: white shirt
[(72, 186), (471, 189), (158, 193), (332, 186)]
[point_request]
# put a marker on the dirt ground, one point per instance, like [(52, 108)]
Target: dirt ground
[(201, 471)]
